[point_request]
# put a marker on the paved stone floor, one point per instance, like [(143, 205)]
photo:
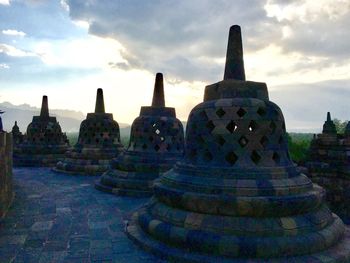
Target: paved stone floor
[(62, 218)]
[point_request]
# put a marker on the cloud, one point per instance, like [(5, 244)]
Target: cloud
[(187, 39), (15, 52), (182, 38), (4, 66), (13, 32), (4, 2)]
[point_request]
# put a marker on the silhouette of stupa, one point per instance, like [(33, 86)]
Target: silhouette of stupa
[(237, 196), (98, 143), (44, 143), (329, 166)]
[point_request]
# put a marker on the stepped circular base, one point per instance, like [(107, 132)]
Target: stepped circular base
[(37, 160), (121, 191), (338, 253), (81, 169), (134, 184)]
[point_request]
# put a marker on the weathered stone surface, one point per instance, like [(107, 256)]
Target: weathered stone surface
[(44, 143), (98, 143), (156, 143), (85, 225), (6, 191), (329, 166), (237, 196)]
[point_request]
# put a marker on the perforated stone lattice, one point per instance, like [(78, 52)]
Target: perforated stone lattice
[(249, 132), (99, 131), (157, 135)]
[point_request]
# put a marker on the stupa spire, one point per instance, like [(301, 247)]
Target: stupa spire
[(158, 93), (44, 112), (100, 105), (329, 116), (234, 68)]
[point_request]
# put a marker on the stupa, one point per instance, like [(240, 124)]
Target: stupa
[(237, 196), (156, 143), (98, 143), (44, 143), (17, 136), (329, 166)]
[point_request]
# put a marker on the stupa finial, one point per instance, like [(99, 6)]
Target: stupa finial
[(44, 112), (158, 93), (100, 105), (329, 116), (234, 68)]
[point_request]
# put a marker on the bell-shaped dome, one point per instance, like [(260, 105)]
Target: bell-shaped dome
[(44, 143), (156, 143), (98, 143), (236, 195)]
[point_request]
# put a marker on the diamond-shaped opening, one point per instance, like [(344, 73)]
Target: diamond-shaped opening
[(231, 158), (231, 127), (157, 131), (243, 141), (255, 157), (207, 156), (273, 126), (144, 146), (210, 125), (162, 138), (220, 140), (154, 125), (220, 112), (156, 147), (253, 126), (276, 157), (241, 112), (261, 111), (264, 141)]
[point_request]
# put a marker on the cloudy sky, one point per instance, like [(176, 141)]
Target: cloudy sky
[(67, 49)]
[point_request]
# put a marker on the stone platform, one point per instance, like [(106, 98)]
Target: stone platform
[(62, 218)]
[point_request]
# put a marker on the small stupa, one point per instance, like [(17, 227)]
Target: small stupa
[(237, 196), (329, 166), (98, 143), (156, 143), (44, 143), (17, 136)]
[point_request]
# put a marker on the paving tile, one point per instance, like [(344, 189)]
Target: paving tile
[(40, 226), (54, 256)]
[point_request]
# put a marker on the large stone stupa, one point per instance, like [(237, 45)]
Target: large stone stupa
[(156, 143), (237, 196), (44, 144), (98, 143)]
